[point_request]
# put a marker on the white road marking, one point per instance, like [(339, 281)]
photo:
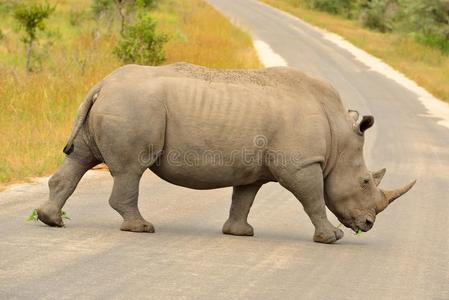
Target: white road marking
[(268, 57)]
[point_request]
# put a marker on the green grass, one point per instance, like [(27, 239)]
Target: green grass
[(428, 66), (38, 109)]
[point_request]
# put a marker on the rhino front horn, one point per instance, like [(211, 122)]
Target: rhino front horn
[(390, 196)]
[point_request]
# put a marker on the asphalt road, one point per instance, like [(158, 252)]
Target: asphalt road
[(405, 256)]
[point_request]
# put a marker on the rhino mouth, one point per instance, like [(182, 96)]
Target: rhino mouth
[(362, 227), (354, 226)]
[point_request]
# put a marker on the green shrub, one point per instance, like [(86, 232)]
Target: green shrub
[(428, 21), (378, 14), (141, 44), (433, 40), (337, 7)]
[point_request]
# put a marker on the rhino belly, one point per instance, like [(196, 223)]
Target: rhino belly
[(208, 176)]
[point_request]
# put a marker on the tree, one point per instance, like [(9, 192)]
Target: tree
[(141, 43), (31, 18), (123, 7)]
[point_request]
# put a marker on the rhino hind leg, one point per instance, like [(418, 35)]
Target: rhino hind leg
[(307, 186), (242, 200), (64, 181)]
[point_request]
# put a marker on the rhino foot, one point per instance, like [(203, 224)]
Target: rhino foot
[(49, 214), (328, 235), (237, 228), (138, 225)]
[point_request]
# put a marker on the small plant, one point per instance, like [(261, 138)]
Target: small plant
[(141, 43), (32, 19), (357, 233), (34, 216), (64, 215)]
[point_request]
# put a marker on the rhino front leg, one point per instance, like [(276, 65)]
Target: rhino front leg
[(307, 186), (242, 200), (124, 197)]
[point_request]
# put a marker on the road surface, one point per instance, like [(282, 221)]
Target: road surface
[(405, 256)]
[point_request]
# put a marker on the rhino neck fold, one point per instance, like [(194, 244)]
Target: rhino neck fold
[(332, 145)]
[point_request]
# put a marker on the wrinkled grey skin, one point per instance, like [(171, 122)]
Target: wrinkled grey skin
[(142, 117)]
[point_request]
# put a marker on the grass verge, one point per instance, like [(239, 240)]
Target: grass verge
[(37, 109), (428, 67)]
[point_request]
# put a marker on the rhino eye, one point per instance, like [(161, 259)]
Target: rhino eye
[(365, 181)]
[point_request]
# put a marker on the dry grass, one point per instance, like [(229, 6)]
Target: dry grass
[(206, 37), (427, 66), (37, 110)]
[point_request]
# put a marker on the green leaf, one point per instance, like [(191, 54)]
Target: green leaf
[(359, 232), (64, 215), (33, 216)]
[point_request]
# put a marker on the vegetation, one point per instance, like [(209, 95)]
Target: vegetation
[(124, 8), (426, 20), (411, 38), (141, 43), (34, 216), (76, 50), (32, 18)]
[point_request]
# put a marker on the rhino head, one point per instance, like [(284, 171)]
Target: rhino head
[(352, 191)]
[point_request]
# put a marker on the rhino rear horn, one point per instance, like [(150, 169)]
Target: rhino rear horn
[(378, 175), (354, 115), (390, 196)]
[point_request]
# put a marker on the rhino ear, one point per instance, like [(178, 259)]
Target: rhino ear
[(367, 122), (354, 115)]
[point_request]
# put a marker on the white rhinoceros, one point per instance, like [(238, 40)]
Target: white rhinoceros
[(204, 128)]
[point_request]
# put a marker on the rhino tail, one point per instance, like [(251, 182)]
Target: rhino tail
[(83, 112)]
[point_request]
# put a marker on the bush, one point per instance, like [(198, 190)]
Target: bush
[(337, 7), (378, 14), (428, 20), (141, 43)]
